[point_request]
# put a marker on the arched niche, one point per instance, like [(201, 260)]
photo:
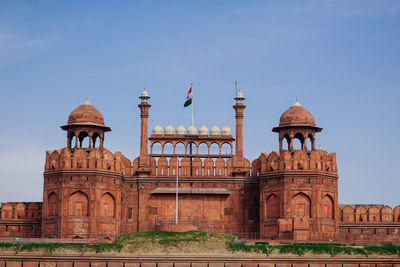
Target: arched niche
[(327, 207), (301, 205), (52, 202), (78, 204), (272, 206), (107, 205)]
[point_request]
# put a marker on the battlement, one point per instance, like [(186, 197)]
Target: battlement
[(21, 211), (369, 214), (200, 167), (297, 160), (81, 158)]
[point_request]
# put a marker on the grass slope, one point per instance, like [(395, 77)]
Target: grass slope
[(193, 242)]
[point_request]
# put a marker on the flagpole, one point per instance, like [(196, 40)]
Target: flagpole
[(191, 85), (176, 196)]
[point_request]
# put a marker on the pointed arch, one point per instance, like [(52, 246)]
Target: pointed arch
[(107, 205), (52, 204), (348, 214), (301, 205), (327, 207), (78, 204)]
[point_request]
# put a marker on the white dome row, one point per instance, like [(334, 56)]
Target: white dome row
[(191, 130)]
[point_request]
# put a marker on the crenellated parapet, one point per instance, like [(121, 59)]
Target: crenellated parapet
[(371, 213), (20, 211), (85, 159), (298, 160), (196, 167)]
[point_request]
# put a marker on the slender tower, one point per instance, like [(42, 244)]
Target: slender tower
[(238, 165), (144, 162)]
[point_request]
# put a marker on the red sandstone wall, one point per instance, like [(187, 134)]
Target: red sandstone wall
[(369, 224), (20, 219), (298, 195)]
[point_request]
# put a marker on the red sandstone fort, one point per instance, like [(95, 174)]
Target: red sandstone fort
[(291, 195)]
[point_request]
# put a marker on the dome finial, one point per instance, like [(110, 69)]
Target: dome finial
[(86, 102), (297, 103)]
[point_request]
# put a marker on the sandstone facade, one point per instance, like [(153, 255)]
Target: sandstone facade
[(90, 192)]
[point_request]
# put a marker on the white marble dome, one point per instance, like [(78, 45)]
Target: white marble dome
[(169, 129), (214, 131), (180, 129), (157, 129), (203, 130), (191, 130), (226, 130), (144, 93)]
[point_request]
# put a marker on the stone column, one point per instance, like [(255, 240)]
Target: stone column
[(239, 109), (144, 116)]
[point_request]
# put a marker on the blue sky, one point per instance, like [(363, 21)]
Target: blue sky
[(341, 59)]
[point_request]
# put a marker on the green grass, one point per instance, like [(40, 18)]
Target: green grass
[(53, 247), (197, 242), (300, 249)]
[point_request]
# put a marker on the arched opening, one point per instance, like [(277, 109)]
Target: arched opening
[(156, 148), (191, 148), (180, 148), (78, 204), (168, 148), (214, 149), (273, 207), (287, 138), (298, 141), (96, 140), (327, 207), (52, 202), (226, 149), (107, 205), (301, 205), (203, 148), (83, 139), (72, 140), (310, 142)]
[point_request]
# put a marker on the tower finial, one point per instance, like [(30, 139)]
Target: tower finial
[(297, 103), (86, 102)]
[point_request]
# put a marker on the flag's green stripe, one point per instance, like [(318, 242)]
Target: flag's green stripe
[(187, 103)]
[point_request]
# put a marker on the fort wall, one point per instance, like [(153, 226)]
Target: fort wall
[(20, 219)]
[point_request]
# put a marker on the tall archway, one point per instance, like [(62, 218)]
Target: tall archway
[(327, 207), (78, 204), (107, 205), (301, 205)]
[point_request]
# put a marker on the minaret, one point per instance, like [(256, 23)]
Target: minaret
[(239, 109), (144, 116)]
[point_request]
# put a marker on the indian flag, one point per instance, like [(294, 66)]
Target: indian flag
[(189, 97)]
